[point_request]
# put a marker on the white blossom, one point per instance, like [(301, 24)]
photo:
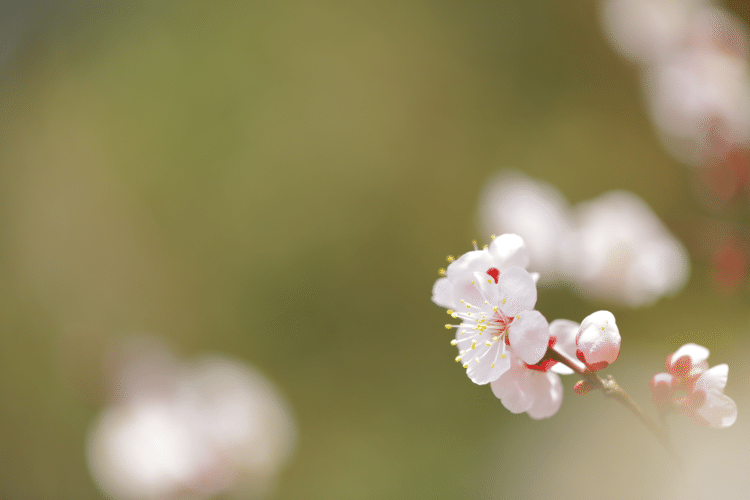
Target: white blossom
[(209, 428)]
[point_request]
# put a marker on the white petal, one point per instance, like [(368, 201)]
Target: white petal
[(720, 411), (565, 332), (713, 380), (548, 392), (466, 288), (509, 250), (517, 290), (475, 261), (513, 389), (483, 372), (442, 293), (529, 336), (696, 353)]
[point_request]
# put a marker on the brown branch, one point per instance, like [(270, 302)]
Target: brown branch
[(611, 389)]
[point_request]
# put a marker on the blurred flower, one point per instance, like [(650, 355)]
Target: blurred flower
[(497, 317), (696, 76), (212, 427), (612, 248), (502, 253), (598, 340), (645, 31), (621, 252), (534, 210), (728, 266), (705, 401)]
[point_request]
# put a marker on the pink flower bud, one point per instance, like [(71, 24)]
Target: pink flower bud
[(598, 340), (662, 386)]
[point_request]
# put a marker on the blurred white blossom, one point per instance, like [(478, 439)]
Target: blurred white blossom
[(612, 248), (215, 426), (621, 252), (696, 77), (534, 210)]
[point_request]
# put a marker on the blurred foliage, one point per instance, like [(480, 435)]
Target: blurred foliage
[(280, 181)]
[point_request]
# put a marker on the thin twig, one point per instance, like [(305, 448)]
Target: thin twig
[(611, 389)]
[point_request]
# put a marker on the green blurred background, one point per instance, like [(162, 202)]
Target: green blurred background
[(280, 182)]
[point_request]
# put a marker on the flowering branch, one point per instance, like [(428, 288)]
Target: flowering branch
[(503, 341), (612, 389)]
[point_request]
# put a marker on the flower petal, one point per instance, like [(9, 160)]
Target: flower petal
[(517, 291), (529, 336), (564, 331), (465, 289), (713, 380), (513, 388), (720, 411), (442, 293), (696, 353), (509, 250), (548, 392), (474, 261), (490, 367)]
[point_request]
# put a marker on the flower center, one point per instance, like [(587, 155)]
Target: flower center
[(484, 326)]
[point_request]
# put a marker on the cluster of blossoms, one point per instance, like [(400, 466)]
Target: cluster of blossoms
[(502, 340), (211, 428), (696, 79), (613, 247), (692, 388)]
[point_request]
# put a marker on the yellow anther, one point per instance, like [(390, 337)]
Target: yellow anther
[(489, 281), (518, 316), (495, 338), (477, 360), (502, 356), (466, 365), (448, 327), (450, 311), (454, 315), (488, 344), (458, 358), (492, 237), (485, 247), (454, 342), (462, 301), (450, 258), (473, 242), (492, 365), (503, 301), (441, 271), (602, 328), (473, 283), (494, 308)]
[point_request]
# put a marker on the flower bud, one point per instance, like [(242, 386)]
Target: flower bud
[(598, 340), (662, 386)]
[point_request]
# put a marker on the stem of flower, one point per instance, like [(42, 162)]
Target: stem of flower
[(611, 389)]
